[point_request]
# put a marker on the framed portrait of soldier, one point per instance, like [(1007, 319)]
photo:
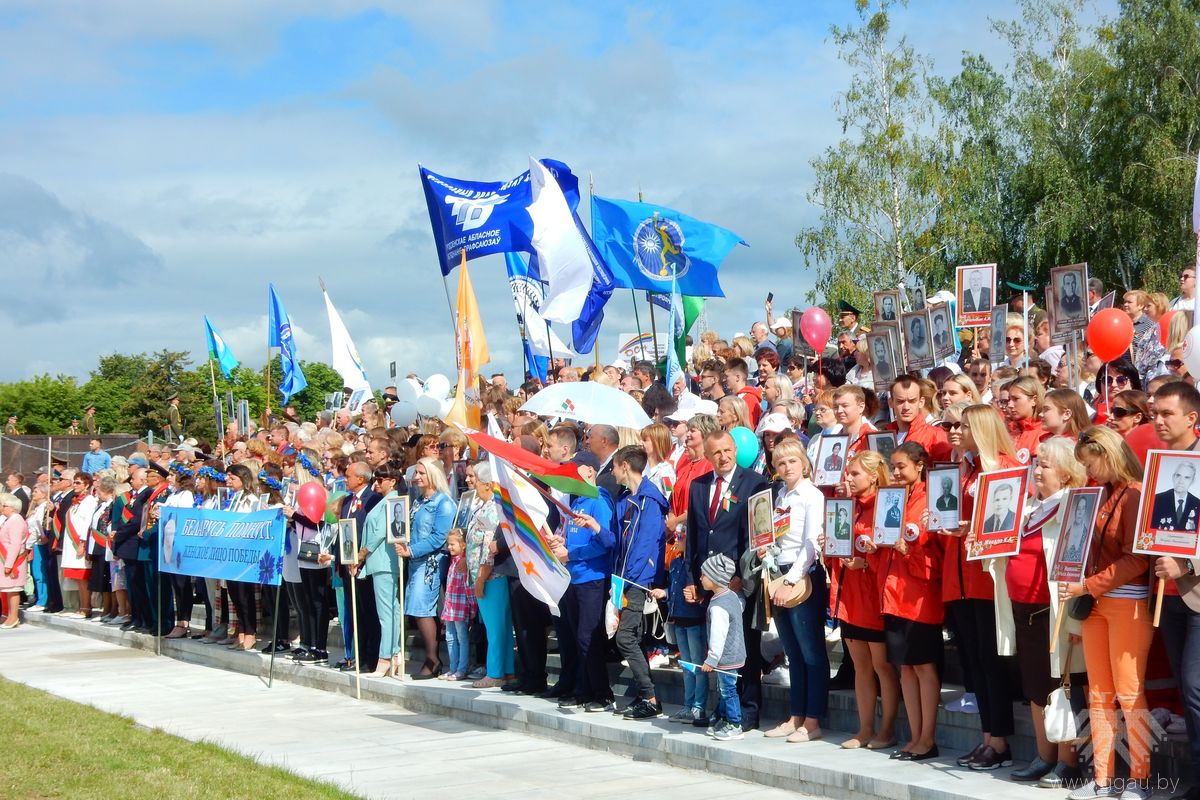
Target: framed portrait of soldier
[(999, 507), (1067, 303), (800, 347), (1079, 510), (888, 524), (831, 459), (289, 495), (944, 498), (347, 539), (839, 526), (999, 326), (882, 442), (463, 514), (762, 521), (396, 517), (883, 360), (887, 305), (918, 341), (943, 331), (975, 291), (1168, 521), (918, 298)]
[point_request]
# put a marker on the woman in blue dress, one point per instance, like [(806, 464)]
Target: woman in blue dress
[(433, 516)]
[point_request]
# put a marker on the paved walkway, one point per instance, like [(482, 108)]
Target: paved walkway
[(368, 748)]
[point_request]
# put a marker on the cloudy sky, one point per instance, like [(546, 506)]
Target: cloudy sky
[(160, 161)]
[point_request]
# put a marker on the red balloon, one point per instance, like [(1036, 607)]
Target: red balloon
[(311, 499), (815, 327), (1164, 323), (1109, 334)]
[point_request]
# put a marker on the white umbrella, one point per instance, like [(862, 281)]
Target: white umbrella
[(590, 402)]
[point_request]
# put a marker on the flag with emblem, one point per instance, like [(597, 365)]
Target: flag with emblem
[(279, 334), (523, 523), (218, 350)]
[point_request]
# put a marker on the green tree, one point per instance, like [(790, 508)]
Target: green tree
[(43, 405)]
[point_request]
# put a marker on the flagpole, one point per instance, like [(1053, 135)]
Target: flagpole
[(267, 409), (636, 318), (596, 343), (653, 330), (213, 377)]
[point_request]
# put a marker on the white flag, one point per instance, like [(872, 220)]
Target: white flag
[(565, 265), (345, 358), (523, 524)]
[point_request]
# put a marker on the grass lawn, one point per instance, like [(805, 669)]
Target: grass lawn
[(55, 748)]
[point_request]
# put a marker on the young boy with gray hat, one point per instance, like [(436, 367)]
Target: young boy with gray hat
[(726, 645)]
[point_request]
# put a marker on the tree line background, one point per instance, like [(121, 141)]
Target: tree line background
[(1081, 147)]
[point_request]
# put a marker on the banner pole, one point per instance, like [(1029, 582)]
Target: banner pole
[(637, 319), (157, 611), (275, 629), (354, 616), (654, 331), (266, 418)]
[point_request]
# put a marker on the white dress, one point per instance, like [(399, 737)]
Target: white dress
[(79, 520)]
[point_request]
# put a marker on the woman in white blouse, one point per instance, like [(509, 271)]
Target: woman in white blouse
[(799, 512)]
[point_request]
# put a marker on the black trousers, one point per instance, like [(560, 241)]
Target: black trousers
[(366, 622), (585, 609), (749, 684), (531, 617), (242, 595), (565, 626), (54, 598), (181, 587), (312, 603), (629, 641), (270, 595), (200, 591), (140, 612), (974, 624)]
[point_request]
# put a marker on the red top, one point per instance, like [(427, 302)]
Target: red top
[(753, 397), (687, 471), (859, 444), (912, 584), (1027, 435), (1025, 575), (963, 579), (931, 437), (1142, 439), (856, 593)]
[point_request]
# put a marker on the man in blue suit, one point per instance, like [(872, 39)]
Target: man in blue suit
[(717, 523), (127, 513), (356, 505)]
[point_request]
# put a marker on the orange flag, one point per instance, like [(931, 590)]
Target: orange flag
[(472, 354)]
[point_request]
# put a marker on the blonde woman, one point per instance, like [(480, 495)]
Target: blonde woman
[(15, 570), (656, 441), (732, 412), (777, 389), (1118, 631), (958, 389), (1025, 396), (432, 519)]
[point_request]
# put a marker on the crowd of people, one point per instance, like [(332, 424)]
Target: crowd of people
[(669, 529)]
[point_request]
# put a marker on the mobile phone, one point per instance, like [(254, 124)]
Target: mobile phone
[(770, 296)]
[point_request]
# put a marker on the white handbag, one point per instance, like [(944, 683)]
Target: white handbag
[(1061, 726)]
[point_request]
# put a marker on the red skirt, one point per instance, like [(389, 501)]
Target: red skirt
[(76, 573)]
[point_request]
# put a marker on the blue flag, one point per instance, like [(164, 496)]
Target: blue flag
[(485, 217), (279, 334), (218, 350), (527, 297), (585, 329), (648, 246)]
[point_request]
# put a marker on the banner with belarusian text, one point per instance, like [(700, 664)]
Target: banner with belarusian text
[(223, 544)]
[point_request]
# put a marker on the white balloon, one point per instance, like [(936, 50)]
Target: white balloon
[(1191, 351), (403, 413), (428, 405), (437, 385), (447, 404), (408, 390)]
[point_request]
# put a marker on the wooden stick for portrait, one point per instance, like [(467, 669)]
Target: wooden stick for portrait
[(354, 624), (1158, 602), (275, 624), (766, 593), (1058, 624), (403, 632)]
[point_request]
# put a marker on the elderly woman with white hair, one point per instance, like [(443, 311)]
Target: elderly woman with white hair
[(490, 584), (432, 519), (13, 533)]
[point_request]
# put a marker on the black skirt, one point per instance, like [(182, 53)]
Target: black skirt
[(911, 643), (100, 578), (1032, 621), (859, 634)]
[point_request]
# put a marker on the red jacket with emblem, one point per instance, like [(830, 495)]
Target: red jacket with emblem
[(855, 593), (912, 583)]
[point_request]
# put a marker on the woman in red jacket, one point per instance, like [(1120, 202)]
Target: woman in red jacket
[(969, 594), (1025, 398), (856, 603), (912, 606)]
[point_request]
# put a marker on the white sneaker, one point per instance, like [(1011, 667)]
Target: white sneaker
[(729, 732), (966, 704), (659, 660)]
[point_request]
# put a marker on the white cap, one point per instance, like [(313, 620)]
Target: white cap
[(774, 423), (782, 322), (690, 405)]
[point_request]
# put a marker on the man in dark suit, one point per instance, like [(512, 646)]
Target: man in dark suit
[(61, 497), (356, 505), (1002, 516), (892, 518), (1177, 509), (946, 500), (941, 336), (126, 525), (603, 441), (717, 523), (976, 297), (1071, 302)]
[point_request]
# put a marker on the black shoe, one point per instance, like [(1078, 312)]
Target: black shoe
[(596, 707), (705, 722), (568, 702), (1036, 769), (513, 688), (900, 755), (643, 709), (557, 690), (1191, 794), (297, 651), (620, 709), (128, 626), (963, 761), (143, 629), (988, 759), (930, 753)]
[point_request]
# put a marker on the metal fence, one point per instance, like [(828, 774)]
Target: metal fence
[(25, 454)]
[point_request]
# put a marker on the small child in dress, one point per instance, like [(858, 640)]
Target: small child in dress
[(458, 608), (726, 645)]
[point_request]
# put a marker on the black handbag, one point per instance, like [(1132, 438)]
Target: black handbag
[(1080, 607), (310, 552)]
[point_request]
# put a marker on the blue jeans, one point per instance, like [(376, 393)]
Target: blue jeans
[(459, 645), (729, 708), (693, 648), (39, 580), (496, 612), (802, 632)]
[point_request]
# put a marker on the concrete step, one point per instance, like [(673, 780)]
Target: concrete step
[(819, 768)]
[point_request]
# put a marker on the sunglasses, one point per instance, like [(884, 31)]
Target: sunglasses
[(1174, 363), (1122, 413), (1013, 339), (1116, 380), (950, 426)]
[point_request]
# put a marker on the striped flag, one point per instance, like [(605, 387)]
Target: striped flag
[(524, 526), (218, 350)]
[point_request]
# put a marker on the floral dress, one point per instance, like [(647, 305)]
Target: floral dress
[(482, 521)]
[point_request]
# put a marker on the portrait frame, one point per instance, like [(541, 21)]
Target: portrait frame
[(1005, 541), (1064, 322), (946, 349), (830, 476), (289, 495), (917, 356), (333, 401), (760, 512), (838, 546), (357, 398), (944, 519), (799, 346), (243, 417), (462, 515), (919, 300), (996, 330), (887, 535), (1070, 553), (972, 317), (396, 517), (224, 497), (219, 415), (877, 303), (1156, 532), (882, 378), (347, 539), (882, 442), (1108, 301)]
